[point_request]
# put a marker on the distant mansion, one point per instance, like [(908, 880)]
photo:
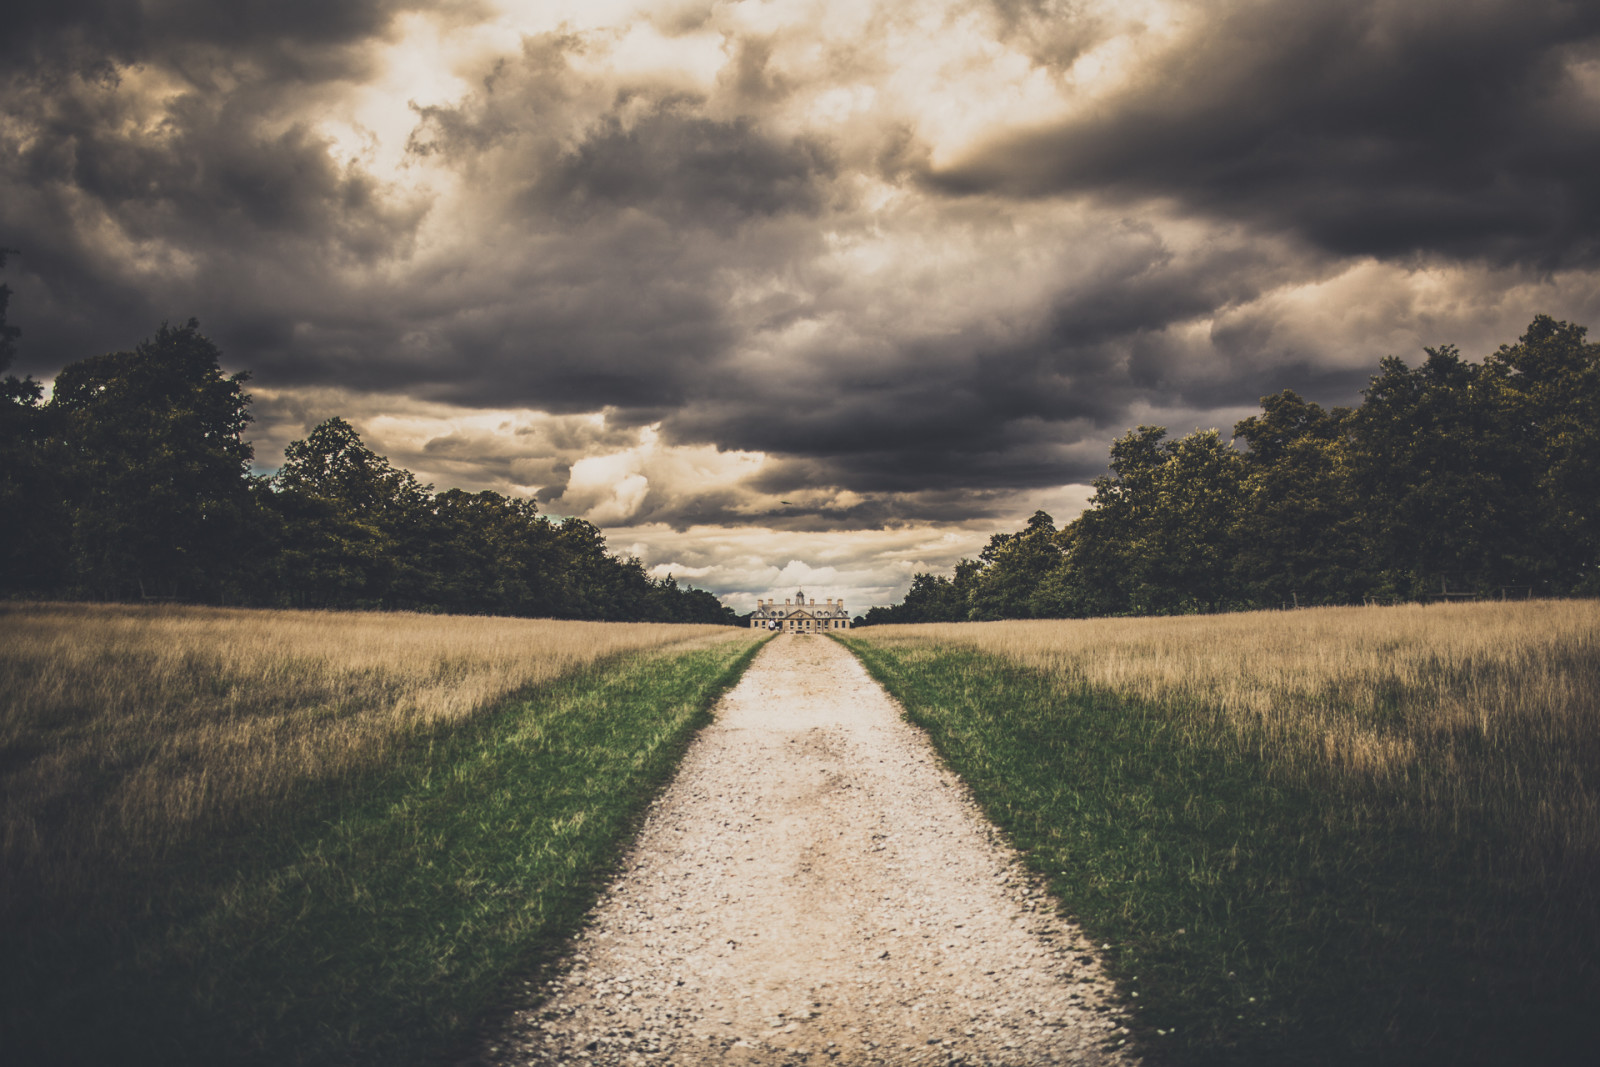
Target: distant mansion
[(799, 616)]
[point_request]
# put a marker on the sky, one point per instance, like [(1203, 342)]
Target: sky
[(787, 293)]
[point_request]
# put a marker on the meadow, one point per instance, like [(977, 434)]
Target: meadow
[(1323, 836), (286, 837)]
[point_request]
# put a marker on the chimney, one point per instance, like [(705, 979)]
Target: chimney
[(813, 601), (786, 601)]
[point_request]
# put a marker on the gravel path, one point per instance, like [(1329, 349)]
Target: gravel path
[(814, 887)]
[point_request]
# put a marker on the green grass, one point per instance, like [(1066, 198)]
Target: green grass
[(1260, 917), (378, 924)]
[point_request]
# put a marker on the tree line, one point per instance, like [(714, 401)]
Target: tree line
[(133, 481), (1450, 478)]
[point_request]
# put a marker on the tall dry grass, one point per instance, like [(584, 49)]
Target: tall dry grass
[(1473, 714), (127, 731)]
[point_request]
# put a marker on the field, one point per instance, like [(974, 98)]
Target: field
[(282, 837), (1324, 836)]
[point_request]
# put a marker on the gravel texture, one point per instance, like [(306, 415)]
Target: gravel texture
[(815, 887)]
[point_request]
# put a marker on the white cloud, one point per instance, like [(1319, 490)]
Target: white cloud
[(744, 564)]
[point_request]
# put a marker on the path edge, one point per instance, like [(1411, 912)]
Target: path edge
[(526, 989), (1037, 880)]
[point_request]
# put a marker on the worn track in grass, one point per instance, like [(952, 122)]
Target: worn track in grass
[(814, 887)]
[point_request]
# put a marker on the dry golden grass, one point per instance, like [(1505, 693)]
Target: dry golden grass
[(1471, 707), (125, 730)]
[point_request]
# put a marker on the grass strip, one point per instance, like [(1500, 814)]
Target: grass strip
[(1250, 919), (379, 925)]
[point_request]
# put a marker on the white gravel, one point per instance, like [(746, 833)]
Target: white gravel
[(815, 887)]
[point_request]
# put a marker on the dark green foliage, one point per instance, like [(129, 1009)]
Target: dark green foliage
[(1450, 477), (155, 465), (1546, 390), (496, 551), (8, 332), (354, 531), (354, 526), (134, 482), (37, 529), (1014, 566), (1160, 537), (1300, 534), (933, 598), (1262, 917), (1443, 490), (375, 921)]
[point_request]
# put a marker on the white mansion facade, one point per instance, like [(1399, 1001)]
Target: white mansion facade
[(798, 616)]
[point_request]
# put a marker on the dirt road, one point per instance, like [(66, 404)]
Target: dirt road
[(814, 888)]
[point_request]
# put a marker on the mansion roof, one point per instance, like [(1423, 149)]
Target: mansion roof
[(769, 610)]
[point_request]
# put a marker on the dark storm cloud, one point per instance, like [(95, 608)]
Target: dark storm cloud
[(956, 427), (233, 214), (159, 161), (91, 33), (651, 151), (1371, 128), (589, 288), (627, 310), (689, 170), (1025, 411), (702, 252), (882, 510), (604, 279)]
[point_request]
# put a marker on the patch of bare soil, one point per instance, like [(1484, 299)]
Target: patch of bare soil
[(815, 887)]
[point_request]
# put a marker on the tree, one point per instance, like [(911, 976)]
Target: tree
[(8, 332), (1015, 565), (1300, 531), (1157, 537), (134, 480), (35, 534), (1477, 475), (1099, 546), (600, 586), (156, 466), (1184, 559), (1545, 393), (931, 598), (354, 526), (1445, 491), (492, 553), (676, 604)]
